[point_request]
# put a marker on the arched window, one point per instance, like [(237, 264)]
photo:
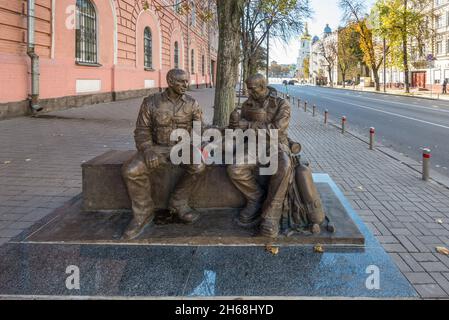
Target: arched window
[(148, 48), (192, 62), (176, 54), (202, 65), (86, 33)]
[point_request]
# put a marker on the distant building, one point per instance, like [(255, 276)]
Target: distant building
[(304, 53), (318, 65)]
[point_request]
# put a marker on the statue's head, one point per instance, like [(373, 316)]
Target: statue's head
[(178, 81), (257, 86)]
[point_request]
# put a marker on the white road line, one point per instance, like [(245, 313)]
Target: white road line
[(400, 103), (391, 113)]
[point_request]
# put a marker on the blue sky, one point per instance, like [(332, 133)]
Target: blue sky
[(325, 11)]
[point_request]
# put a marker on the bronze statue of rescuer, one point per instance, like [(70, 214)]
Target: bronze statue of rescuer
[(263, 110), (159, 116), (291, 188)]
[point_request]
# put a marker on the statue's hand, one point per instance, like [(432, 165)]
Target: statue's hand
[(243, 124), (151, 159)]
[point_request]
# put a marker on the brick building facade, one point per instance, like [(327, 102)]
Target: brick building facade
[(101, 50)]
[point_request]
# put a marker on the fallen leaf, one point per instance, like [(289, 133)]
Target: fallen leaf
[(443, 250), (273, 250), (439, 221), (360, 188), (27, 160), (318, 248), (7, 162)]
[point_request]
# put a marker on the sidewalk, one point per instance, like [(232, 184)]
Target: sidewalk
[(400, 92), (41, 158)]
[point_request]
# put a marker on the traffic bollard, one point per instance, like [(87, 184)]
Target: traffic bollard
[(426, 164), (305, 106), (314, 110), (326, 115), (372, 132), (299, 103), (343, 124)]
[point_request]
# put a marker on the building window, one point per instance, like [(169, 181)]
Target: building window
[(148, 48), (193, 15), (176, 55), (192, 62), (439, 47), (203, 65), (86, 33), (177, 6)]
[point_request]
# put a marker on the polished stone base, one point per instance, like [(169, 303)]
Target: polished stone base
[(215, 227), (30, 268)]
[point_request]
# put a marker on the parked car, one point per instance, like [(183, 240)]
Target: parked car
[(293, 82), (285, 82)]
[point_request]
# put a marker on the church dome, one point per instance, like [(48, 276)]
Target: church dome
[(327, 30), (315, 39)]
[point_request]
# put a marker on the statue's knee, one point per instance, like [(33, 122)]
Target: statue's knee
[(133, 170), (196, 168), (237, 171)]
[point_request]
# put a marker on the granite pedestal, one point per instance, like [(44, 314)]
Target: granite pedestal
[(34, 265)]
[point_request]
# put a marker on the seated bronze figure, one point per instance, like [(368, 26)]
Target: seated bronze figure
[(288, 200), (159, 115)]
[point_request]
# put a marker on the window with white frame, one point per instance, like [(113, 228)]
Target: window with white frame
[(439, 47), (176, 55), (203, 65), (86, 32), (148, 48), (192, 61), (193, 14)]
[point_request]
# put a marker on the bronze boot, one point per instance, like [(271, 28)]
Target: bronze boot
[(186, 215), (136, 227), (249, 216), (269, 228)]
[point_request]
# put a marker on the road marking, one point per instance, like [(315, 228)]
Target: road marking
[(400, 103), (390, 113)]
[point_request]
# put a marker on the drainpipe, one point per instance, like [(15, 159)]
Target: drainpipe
[(34, 103)]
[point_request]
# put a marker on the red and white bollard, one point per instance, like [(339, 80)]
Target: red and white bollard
[(372, 132), (426, 155), (343, 124), (326, 115)]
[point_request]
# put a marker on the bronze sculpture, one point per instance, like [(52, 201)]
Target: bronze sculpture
[(159, 115), (263, 110), (291, 192)]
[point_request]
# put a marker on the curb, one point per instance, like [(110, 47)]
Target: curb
[(386, 94), (410, 163)]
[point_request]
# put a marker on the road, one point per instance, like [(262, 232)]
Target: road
[(404, 124)]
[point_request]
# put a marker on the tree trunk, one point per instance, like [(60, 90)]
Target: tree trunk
[(376, 77), (404, 49), (245, 71), (406, 69), (229, 14), (252, 66), (343, 75)]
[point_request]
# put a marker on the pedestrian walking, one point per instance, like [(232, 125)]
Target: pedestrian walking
[(445, 86)]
